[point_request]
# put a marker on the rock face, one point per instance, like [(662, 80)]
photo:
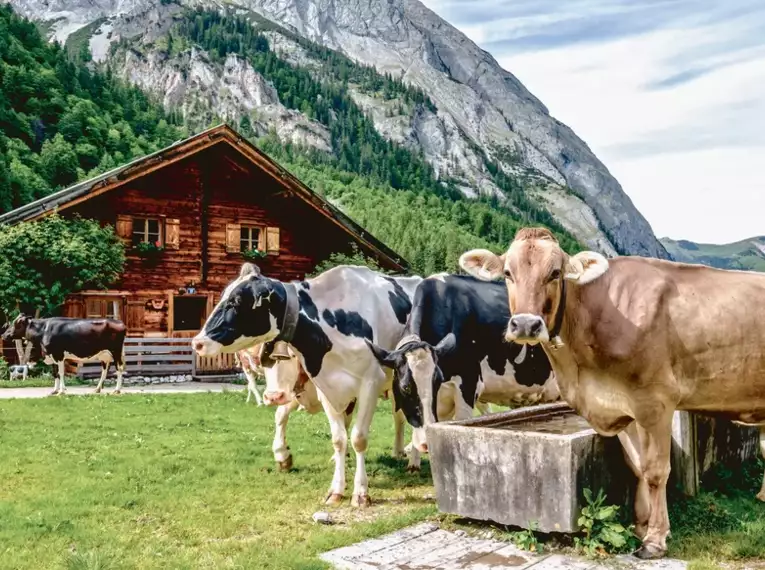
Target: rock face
[(479, 105)]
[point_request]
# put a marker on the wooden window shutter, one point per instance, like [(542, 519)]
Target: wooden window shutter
[(233, 235), (124, 227), (272, 241), (172, 233)]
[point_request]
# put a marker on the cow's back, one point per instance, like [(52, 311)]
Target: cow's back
[(356, 302)]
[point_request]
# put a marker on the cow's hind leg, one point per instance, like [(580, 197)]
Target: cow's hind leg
[(282, 453), (655, 444), (366, 404), (61, 373), (761, 494), (104, 372), (340, 444)]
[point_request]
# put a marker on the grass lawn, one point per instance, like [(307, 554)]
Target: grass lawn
[(187, 481)]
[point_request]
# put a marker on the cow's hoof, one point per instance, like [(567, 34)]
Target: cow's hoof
[(285, 465), (116, 392), (761, 496), (97, 391), (334, 499), (650, 552), (412, 468), (361, 501), (54, 393)]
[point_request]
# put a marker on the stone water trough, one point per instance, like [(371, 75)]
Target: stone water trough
[(531, 465)]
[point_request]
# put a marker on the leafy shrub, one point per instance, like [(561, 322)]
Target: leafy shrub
[(603, 533), (42, 262), (355, 258), (527, 539)]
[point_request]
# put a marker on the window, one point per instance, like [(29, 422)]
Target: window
[(249, 238), (146, 230), (103, 308), (189, 312)]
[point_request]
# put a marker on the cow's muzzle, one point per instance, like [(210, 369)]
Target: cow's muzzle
[(277, 398), (204, 346), (527, 328)]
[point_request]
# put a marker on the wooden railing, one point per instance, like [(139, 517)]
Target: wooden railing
[(151, 357), (211, 365)]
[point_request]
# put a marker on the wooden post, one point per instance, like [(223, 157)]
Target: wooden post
[(204, 179)]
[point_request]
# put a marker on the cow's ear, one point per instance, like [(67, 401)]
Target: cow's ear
[(249, 269), (585, 267), (447, 345), (383, 356), (483, 264)]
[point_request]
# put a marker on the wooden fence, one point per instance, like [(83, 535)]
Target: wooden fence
[(165, 357)]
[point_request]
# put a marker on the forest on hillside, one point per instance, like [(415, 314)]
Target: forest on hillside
[(62, 119)]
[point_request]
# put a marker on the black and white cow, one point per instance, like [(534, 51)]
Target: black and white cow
[(327, 321), (453, 355), (78, 340)]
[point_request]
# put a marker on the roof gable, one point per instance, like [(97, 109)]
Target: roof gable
[(222, 134)]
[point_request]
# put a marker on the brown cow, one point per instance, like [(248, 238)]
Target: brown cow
[(633, 339)]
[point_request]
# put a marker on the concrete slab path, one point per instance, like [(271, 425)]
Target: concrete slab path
[(178, 388), (427, 547)]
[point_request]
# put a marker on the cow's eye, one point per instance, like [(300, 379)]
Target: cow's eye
[(555, 274), (508, 275)]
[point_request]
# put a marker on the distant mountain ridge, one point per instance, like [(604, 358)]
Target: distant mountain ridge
[(748, 254)]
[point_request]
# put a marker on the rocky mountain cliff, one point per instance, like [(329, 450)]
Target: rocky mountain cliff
[(481, 118)]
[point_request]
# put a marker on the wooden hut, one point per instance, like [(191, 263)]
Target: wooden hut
[(189, 214)]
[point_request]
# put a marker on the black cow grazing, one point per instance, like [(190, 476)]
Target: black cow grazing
[(454, 348), (78, 340)]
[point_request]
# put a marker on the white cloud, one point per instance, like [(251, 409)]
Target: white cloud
[(674, 107)]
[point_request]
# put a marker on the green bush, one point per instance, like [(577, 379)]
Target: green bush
[(355, 258), (603, 533), (42, 262)]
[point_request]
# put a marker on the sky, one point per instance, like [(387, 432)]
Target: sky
[(669, 94)]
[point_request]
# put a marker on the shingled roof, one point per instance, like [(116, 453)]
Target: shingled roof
[(221, 134)]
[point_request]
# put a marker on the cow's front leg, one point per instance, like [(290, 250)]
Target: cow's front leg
[(56, 382), (104, 372), (399, 423), (761, 494), (282, 453), (340, 444), (630, 440), (656, 444), (252, 388), (415, 458)]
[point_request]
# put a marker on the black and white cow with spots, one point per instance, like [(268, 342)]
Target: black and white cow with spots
[(78, 340), (453, 355), (327, 321)]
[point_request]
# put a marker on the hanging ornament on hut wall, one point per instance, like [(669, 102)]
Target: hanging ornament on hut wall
[(156, 304)]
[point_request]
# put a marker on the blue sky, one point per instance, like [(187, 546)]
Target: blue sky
[(670, 94)]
